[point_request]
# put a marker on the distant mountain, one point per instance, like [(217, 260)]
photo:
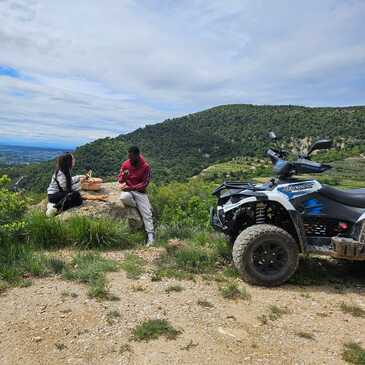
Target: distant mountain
[(182, 147), (19, 155)]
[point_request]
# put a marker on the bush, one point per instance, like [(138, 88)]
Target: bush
[(183, 204), (12, 205)]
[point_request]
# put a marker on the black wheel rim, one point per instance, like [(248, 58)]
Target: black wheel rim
[(270, 258)]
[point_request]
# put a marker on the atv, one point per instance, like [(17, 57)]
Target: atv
[(271, 224)]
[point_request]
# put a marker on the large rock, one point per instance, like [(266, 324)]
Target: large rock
[(112, 208)]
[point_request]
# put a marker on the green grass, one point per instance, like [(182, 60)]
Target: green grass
[(90, 268), (174, 288), (153, 329), (233, 291), (354, 353), (133, 265), (79, 231), (18, 260), (84, 232), (352, 309), (195, 259), (45, 232)]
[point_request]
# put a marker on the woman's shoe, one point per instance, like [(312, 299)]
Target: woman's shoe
[(51, 210)]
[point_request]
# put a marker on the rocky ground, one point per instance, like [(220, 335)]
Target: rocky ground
[(55, 322)]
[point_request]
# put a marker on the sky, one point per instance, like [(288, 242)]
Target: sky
[(75, 71)]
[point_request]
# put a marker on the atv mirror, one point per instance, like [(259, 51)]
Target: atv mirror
[(272, 136), (323, 144)]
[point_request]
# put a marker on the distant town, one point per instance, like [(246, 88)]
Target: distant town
[(22, 155)]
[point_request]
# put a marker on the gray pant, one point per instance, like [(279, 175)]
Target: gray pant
[(141, 202)]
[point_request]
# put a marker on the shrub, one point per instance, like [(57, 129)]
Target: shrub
[(232, 291), (153, 329), (354, 353), (12, 205), (183, 204)]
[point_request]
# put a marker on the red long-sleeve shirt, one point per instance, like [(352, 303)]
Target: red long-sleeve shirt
[(138, 177)]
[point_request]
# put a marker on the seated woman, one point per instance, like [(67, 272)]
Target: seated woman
[(64, 190)]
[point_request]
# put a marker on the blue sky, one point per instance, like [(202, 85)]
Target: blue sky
[(72, 72)]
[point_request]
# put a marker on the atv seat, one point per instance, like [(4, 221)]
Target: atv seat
[(353, 197)]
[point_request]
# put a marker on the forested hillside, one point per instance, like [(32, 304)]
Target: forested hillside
[(181, 147)]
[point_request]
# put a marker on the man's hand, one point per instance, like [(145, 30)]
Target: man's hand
[(123, 186)]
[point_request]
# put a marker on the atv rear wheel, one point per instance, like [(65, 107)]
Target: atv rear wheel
[(265, 255)]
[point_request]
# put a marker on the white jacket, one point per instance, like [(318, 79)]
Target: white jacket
[(61, 178)]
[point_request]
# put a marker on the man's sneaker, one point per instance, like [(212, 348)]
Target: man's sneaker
[(51, 210), (150, 239)]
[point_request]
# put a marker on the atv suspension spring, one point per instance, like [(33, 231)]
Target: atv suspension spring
[(260, 213)]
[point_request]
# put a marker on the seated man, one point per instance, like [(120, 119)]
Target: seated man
[(134, 177)]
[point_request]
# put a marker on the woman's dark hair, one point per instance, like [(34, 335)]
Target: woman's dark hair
[(64, 164)]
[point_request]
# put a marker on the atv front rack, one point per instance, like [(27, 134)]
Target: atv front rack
[(348, 249)]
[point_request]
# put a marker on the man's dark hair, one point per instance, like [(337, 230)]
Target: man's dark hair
[(134, 150)]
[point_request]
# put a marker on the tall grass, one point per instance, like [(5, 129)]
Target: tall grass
[(92, 233), (45, 232), (78, 231)]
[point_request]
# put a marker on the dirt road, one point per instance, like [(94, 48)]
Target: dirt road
[(54, 322)]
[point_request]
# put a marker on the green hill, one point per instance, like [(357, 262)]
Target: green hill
[(182, 147)]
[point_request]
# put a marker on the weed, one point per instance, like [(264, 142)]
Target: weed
[(195, 259), (232, 291), (352, 309), (153, 329), (263, 319), (90, 269), (231, 272), (354, 353), (133, 265), (56, 265)]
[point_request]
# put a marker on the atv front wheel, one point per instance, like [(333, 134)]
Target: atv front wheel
[(265, 255)]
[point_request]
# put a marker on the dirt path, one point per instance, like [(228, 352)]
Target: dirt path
[(54, 322)]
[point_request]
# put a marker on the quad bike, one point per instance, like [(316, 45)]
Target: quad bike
[(270, 224)]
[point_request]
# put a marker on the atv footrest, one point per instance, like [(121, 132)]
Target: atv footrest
[(347, 248)]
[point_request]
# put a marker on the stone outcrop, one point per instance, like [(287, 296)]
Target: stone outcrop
[(111, 208)]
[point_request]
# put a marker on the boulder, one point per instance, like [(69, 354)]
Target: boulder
[(112, 208)]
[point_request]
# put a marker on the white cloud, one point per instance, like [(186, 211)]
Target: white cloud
[(103, 68)]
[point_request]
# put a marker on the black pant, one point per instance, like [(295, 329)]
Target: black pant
[(64, 201)]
